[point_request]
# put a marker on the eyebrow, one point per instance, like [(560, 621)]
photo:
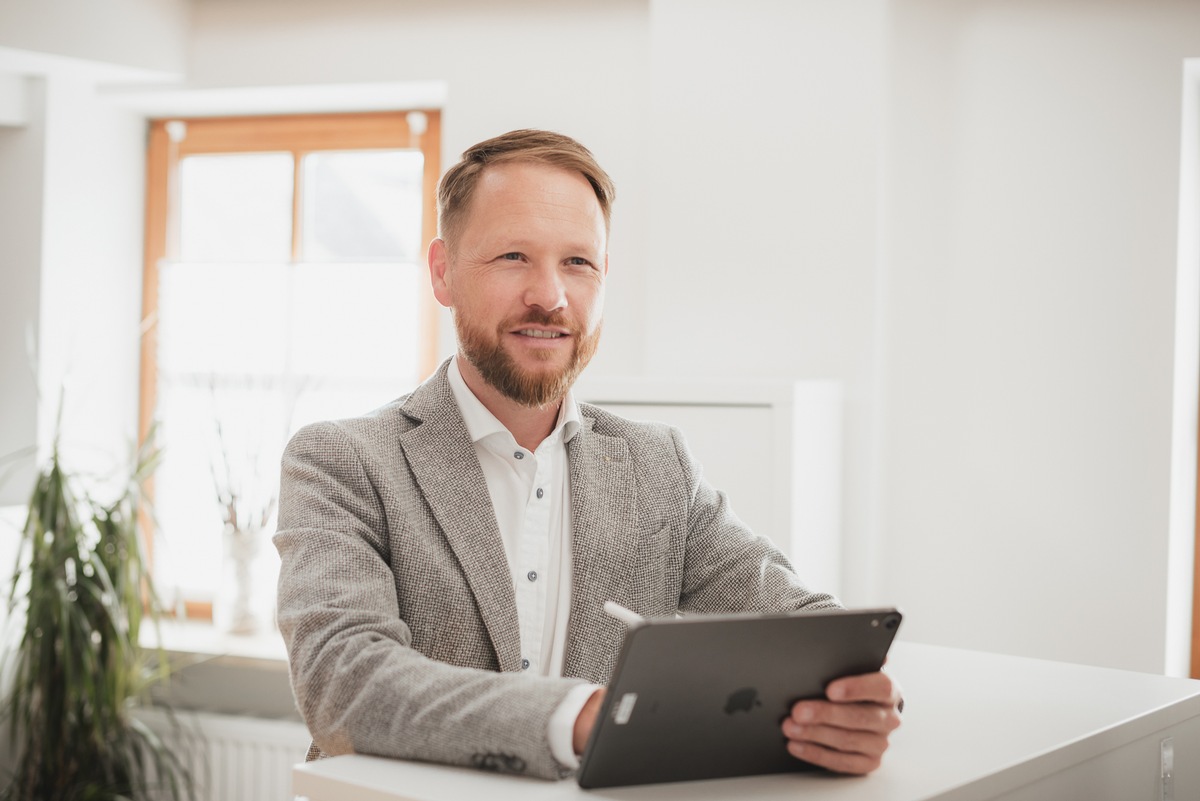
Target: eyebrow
[(525, 244)]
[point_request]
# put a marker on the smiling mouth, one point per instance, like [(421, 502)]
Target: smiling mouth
[(532, 332)]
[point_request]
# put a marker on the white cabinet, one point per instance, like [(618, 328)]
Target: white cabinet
[(774, 448)]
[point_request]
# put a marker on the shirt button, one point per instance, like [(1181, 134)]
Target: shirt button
[(524, 664), (540, 493), (531, 575), (518, 455)]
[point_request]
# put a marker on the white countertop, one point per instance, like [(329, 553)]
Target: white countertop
[(987, 722)]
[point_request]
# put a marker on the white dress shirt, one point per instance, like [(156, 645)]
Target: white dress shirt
[(530, 493)]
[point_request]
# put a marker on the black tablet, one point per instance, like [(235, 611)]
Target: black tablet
[(703, 697)]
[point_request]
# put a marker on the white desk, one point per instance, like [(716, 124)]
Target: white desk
[(976, 726)]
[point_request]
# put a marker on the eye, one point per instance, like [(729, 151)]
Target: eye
[(578, 261), (511, 256)]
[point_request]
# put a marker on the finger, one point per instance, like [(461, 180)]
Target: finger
[(861, 717), (831, 759), (871, 744), (877, 688)]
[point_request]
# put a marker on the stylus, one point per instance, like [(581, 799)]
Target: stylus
[(626, 616)]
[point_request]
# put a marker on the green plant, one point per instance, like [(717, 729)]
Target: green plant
[(80, 595)]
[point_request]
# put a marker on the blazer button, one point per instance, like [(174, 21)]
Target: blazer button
[(524, 664)]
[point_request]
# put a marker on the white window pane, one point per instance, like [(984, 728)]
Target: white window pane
[(222, 318), (251, 346), (363, 205), (259, 350), (337, 402), (236, 207), (188, 551), (221, 441), (357, 321)]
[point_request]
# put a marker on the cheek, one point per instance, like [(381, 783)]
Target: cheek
[(474, 294), (593, 307)]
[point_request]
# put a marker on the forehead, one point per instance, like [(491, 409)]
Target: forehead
[(514, 196)]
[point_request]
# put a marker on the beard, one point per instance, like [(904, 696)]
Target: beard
[(534, 388)]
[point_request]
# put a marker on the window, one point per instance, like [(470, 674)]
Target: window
[(283, 283)]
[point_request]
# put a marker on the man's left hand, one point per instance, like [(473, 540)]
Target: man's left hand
[(847, 733)]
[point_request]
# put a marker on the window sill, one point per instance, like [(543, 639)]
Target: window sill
[(190, 638), (227, 674)]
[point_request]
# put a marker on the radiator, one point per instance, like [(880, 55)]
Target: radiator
[(235, 758)]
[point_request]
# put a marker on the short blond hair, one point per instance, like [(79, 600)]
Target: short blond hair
[(457, 187)]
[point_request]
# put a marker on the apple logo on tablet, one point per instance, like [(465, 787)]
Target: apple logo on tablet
[(742, 700)]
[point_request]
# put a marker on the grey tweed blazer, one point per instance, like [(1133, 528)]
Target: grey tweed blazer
[(395, 596)]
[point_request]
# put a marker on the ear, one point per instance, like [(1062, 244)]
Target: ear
[(439, 264)]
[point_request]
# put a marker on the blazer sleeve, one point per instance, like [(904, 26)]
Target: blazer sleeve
[(727, 567), (359, 684)]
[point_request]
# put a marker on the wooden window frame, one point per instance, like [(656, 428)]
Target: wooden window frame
[(298, 134)]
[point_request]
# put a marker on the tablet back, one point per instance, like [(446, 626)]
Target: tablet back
[(704, 697)]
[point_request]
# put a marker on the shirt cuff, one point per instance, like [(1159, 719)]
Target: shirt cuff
[(562, 724)]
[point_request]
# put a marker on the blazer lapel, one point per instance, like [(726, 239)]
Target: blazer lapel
[(603, 549), (443, 461)]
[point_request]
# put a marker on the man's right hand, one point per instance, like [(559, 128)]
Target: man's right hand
[(587, 720), (847, 733)]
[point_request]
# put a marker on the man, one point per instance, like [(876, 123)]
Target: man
[(446, 558)]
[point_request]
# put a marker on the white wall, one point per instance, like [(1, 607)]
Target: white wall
[(135, 34), (764, 126), (91, 273), (71, 209), (14, 101), (1003, 327), (1033, 178), (22, 179)]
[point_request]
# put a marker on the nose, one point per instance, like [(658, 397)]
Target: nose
[(545, 288)]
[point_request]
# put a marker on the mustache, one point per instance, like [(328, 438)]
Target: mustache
[(539, 317)]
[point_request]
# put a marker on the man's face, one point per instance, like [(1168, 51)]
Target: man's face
[(525, 279)]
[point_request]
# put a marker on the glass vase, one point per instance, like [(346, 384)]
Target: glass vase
[(234, 611)]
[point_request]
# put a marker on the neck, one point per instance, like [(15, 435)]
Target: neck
[(529, 425)]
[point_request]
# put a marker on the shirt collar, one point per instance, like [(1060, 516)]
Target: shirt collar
[(481, 423)]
